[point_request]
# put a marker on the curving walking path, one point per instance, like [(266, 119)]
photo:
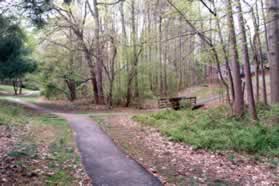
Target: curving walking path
[(104, 162)]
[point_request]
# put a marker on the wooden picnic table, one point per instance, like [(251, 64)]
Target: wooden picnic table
[(175, 102)]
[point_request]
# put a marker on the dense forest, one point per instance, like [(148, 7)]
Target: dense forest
[(215, 62)]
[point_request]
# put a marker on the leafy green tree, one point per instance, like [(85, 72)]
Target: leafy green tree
[(15, 59)]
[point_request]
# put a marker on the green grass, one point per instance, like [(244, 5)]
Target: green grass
[(10, 89), (6, 89), (43, 129), (213, 129)]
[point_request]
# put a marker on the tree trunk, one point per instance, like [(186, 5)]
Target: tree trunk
[(265, 26), (166, 60), (124, 39), (99, 62), (20, 84), (160, 57), (238, 104), (245, 53), (15, 87), (129, 87), (88, 57), (149, 58), (226, 57), (257, 70), (71, 84), (259, 51), (273, 41), (133, 73)]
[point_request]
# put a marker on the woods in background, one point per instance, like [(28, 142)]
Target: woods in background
[(131, 50)]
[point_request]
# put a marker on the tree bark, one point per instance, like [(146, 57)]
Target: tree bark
[(160, 57), (226, 57), (245, 56), (20, 84), (134, 41), (15, 87), (99, 62), (273, 41), (238, 104), (71, 84), (259, 52)]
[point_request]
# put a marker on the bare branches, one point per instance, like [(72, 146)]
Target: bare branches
[(208, 8), (207, 41), (201, 35), (90, 9)]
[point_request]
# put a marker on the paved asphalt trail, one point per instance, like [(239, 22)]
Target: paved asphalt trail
[(105, 164)]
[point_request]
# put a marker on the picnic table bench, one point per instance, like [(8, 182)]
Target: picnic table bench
[(176, 102)]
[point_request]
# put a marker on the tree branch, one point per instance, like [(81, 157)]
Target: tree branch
[(109, 4), (208, 8)]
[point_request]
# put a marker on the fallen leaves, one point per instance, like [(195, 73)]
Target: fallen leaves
[(23, 163), (181, 164)]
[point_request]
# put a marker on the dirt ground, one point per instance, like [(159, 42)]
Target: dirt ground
[(180, 164), (87, 106)]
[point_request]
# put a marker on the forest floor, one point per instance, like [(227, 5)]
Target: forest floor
[(181, 164)]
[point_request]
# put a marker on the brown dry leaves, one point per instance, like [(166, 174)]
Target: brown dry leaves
[(181, 164), (6, 139), (32, 170)]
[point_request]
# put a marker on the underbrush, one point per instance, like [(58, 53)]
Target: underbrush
[(214, 129), (45, 145)]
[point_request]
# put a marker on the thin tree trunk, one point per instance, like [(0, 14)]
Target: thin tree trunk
[(160, 56), (238, 104), (149, 58), (257, 70), (15, 87), (20, 86), (93, 75), (71, 84), (166, 60), (135, 57), (245, 53), (99, 65), (273, 41), (225, 53), (260, 57), (265, 26)]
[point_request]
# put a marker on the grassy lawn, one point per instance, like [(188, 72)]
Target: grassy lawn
[(213, 129), (7, 89), (45, 144)]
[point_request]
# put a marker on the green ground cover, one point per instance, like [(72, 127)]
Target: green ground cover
[(214, 129)]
